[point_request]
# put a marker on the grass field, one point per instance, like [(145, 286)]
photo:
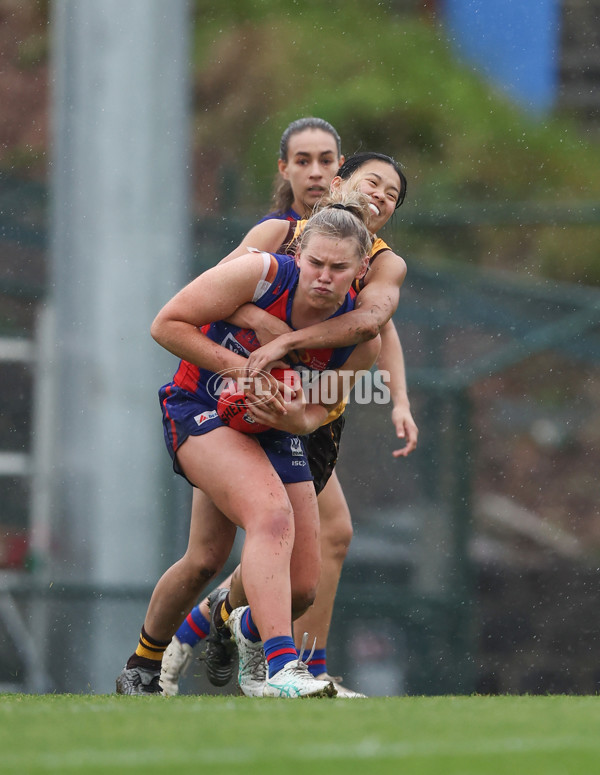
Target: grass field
[(404, 735)]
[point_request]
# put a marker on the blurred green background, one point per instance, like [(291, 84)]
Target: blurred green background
[(475, 562)]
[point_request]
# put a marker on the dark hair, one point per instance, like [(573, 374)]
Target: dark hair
[(353, 163), (307, 123), (283, 196)]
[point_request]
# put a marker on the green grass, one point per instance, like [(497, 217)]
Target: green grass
[(424, 735)]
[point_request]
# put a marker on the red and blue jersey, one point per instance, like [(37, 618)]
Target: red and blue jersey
[(287, 215), (275, 294)]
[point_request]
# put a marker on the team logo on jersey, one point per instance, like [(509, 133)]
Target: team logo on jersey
[(205, 416), (246, 337), (316, 360), (296, 447), (231, 343)]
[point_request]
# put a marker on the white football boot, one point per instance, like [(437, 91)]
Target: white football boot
[(252, 670), (176, 661), (296, 680), (342, 691)]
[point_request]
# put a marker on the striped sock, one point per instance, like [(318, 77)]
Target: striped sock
[(194, 628), (249, 629), (279, 651), (222, 613), (318, 663), (149, 652)]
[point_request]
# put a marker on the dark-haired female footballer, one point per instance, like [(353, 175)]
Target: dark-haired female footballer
[(310, 154)]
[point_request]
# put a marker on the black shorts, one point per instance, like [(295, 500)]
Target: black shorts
[(322, 449)]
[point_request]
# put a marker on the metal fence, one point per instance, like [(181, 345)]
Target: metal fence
[(407, 619)]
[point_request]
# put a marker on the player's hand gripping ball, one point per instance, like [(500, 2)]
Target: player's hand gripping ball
[(233, 410)]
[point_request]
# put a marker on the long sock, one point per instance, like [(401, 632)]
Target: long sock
[(149, 652), (318, 663), (222, 613), (249, 629), (194, 628), (279, 651)]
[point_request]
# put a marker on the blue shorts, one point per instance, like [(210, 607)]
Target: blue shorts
[(185, 415)]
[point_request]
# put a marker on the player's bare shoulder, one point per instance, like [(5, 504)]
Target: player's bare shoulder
[(268, 235)]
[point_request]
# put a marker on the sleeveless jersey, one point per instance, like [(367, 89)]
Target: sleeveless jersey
[(275, 294), (289, 247), (288, 215)]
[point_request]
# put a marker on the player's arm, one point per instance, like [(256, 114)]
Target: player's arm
[(361, 359), (266, 326), (391, 362), (301, 417), (268, 236), (214, 295), (375, 304), (304, 416)]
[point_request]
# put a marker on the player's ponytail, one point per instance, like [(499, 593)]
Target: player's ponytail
[(283, 196), (341, 215), (350, 199)]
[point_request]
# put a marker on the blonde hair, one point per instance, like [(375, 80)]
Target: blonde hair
[(341, 215)]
